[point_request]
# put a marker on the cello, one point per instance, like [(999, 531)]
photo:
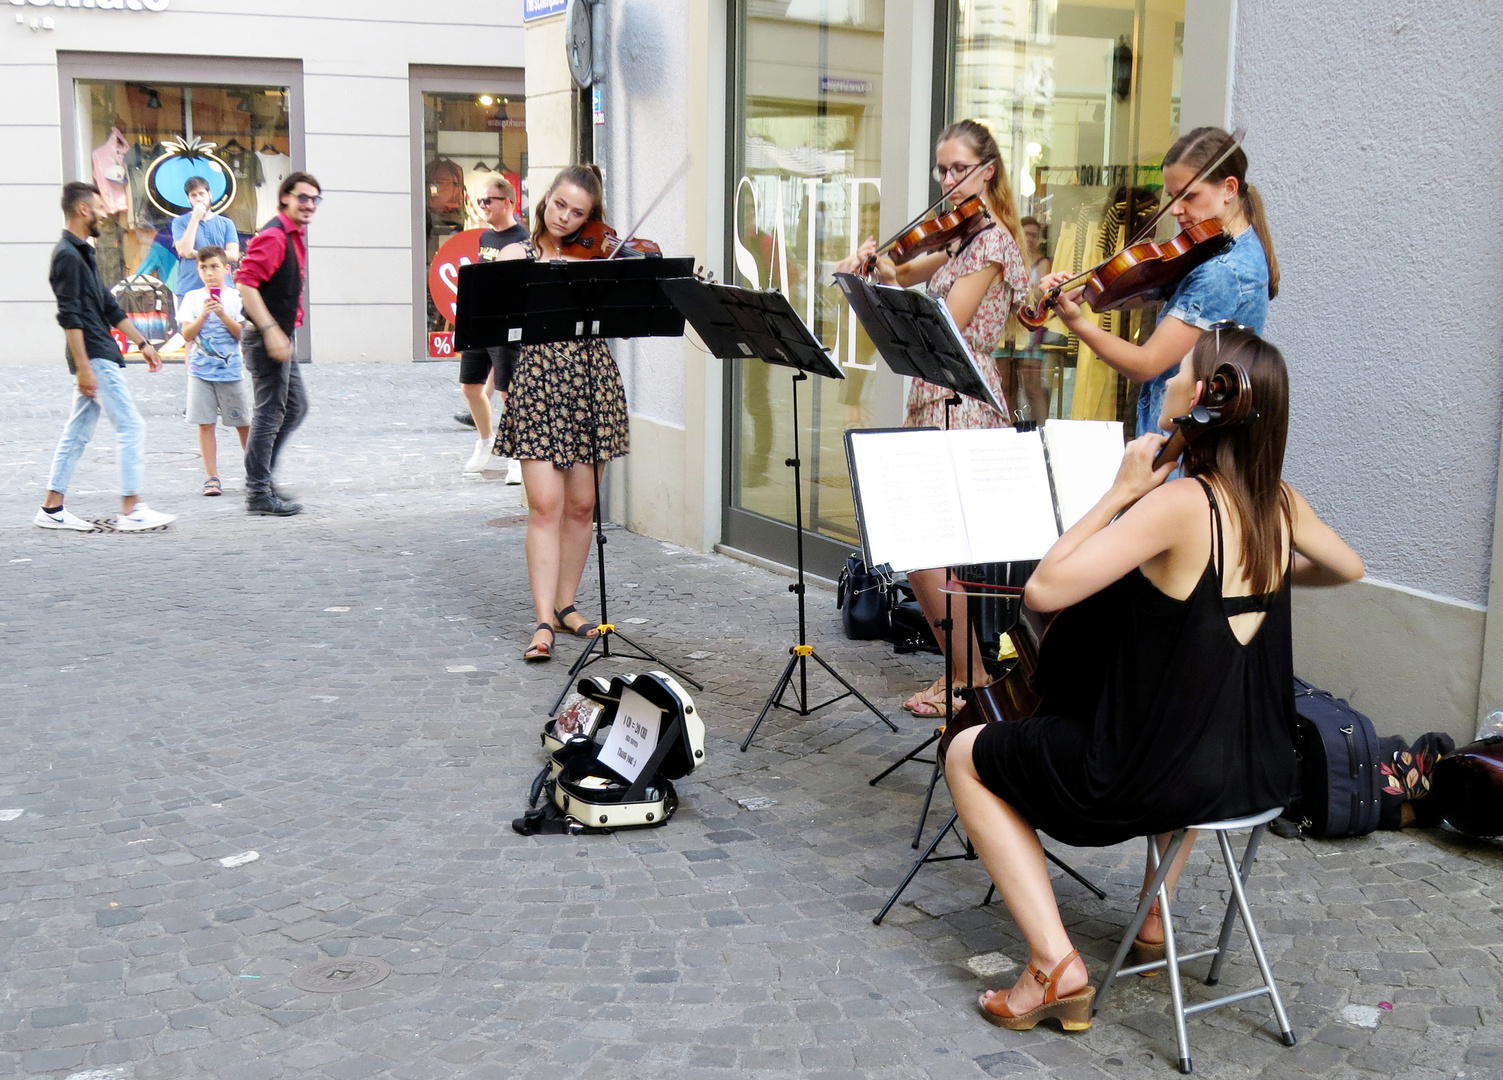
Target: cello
[(1145, 270)]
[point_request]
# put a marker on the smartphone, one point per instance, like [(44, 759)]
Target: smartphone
[(214, 292)]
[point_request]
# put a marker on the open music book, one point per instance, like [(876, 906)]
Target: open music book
[(928, 498)]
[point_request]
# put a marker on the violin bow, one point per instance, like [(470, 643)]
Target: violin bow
[(1233, 141), (678, 174)]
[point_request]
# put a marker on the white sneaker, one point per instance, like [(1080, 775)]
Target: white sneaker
[(513, 471), (479, 458), (61, 519), (141, 518)]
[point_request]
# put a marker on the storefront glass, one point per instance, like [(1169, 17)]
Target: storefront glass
[(1084, 101), (141, 142), (466, 138), (807, 167)]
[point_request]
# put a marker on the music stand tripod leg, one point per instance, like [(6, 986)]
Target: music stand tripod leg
[(912, 755), (775, 698), (913, 871)]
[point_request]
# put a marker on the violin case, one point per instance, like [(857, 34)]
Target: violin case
[(581, 792)]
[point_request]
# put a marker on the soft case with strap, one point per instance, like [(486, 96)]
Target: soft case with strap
[(1340, 782)]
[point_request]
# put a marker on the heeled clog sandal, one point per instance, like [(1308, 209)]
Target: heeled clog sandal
[(1073, 1011)]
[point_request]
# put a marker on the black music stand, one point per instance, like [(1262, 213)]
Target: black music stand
[(524, 302), (739, 324)]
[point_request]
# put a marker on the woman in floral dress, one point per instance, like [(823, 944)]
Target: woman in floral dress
[(565, 417), (983, 282)]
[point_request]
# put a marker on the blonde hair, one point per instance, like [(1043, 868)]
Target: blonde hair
[(998, 194)]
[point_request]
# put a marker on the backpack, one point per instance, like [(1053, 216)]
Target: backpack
[(1340, 766)]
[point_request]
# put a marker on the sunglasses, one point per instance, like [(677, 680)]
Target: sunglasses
[(310, 200), (485, 202)]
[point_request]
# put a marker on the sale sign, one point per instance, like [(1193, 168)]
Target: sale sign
[(461, 249), (441, 343)]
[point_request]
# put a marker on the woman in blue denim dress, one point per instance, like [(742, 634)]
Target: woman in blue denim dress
[(1236, 285)]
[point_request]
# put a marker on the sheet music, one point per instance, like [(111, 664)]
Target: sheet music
[(1084, 456), (633, 736), (910, 507), (1003, 483)]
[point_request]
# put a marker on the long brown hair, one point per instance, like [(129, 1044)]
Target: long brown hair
[(587, 179), (998, 192), (1197, 148), (1247, 463)]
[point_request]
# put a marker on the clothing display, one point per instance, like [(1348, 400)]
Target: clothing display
[(1154, 715), (567, 404), (247, 169), (994, 245), (109, 172), (274, 167), (143, 213)]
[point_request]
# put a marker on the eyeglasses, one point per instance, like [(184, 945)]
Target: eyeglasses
[(960, 172), (485, 202), (310, 200)]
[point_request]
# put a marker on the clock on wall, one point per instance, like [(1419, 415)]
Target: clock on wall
[(579, 42)]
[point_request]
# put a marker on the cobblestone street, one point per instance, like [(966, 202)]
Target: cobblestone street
[(342, 693)]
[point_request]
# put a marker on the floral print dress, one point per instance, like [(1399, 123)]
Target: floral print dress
[(926, 402), (567, 404)]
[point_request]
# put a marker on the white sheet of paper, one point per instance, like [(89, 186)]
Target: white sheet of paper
[(1004, 490), (909, 504), (1084, 456), (633, 736)]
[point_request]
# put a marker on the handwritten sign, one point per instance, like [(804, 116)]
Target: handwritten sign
[(633, 737), (461, 249)]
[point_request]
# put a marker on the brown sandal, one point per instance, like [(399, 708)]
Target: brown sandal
[(539, 651), (1072, 1011), (1147, 952)]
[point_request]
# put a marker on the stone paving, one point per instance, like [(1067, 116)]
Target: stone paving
[(342, 694)]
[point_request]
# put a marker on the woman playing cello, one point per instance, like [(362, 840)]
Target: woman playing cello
[(982, 281), (1235, 285), (1167, 676)]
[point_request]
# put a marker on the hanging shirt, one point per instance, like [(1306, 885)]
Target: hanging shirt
[(274, 169), (109, 172)]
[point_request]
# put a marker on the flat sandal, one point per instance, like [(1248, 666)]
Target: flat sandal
[(585, 629), (1073, 1011), (538, 652)]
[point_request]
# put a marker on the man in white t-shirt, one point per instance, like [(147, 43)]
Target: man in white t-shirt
[(210, 318)]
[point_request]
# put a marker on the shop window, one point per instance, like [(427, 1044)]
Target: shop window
[(467, 137), (1084, 101), (140, 142), (807, 163)]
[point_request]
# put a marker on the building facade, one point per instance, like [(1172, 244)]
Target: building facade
[(396, 108)]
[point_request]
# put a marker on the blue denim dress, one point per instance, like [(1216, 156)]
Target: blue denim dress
[(1233, 285)]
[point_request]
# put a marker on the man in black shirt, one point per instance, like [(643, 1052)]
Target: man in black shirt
[(86, 311), (481, 369)]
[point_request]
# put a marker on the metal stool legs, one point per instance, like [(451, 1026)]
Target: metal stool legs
[(1157, 890)]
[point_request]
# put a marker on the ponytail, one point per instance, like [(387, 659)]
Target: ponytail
[(997, 195), (1195, 150), (1252, 208), (585, 177)]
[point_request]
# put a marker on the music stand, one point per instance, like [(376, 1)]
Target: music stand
[(525, 302), (739, 324)]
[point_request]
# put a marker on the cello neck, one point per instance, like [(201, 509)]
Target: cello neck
[(1172, 449)]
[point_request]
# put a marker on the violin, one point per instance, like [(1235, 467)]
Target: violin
[(1226, 401), (962, 223), (1138, 274), (1143, 272), (597, 240)]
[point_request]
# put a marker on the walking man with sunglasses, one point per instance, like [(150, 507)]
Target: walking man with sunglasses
[(270, 281), (480, 370)]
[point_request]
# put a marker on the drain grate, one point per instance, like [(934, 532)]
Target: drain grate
[(342, 975)]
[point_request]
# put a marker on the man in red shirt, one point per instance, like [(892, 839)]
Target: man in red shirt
[(270, 281)]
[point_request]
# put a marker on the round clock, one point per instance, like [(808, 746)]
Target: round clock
[(577, 41)]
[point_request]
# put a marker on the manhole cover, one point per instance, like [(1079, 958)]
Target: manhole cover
[(503, 522), (341, 975)]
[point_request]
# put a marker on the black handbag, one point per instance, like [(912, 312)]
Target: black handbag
[(864, 598)]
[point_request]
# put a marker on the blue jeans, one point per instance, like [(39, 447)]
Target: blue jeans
[(113, 396), (281, 404)]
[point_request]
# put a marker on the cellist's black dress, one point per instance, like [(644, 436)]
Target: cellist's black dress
[(1154, 716)]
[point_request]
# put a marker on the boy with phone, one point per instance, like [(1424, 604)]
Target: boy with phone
[(210, 318)]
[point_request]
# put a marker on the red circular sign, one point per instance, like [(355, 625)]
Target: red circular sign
[(461, 249)]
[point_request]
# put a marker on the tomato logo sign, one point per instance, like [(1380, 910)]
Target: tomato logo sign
[(184, 159), (461, 249)]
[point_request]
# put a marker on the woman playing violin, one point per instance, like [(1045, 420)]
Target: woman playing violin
[(1167, 676), (1235, 285), (982, 281), (566, 416)]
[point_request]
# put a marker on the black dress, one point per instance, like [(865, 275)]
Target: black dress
[(1154, 716)]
